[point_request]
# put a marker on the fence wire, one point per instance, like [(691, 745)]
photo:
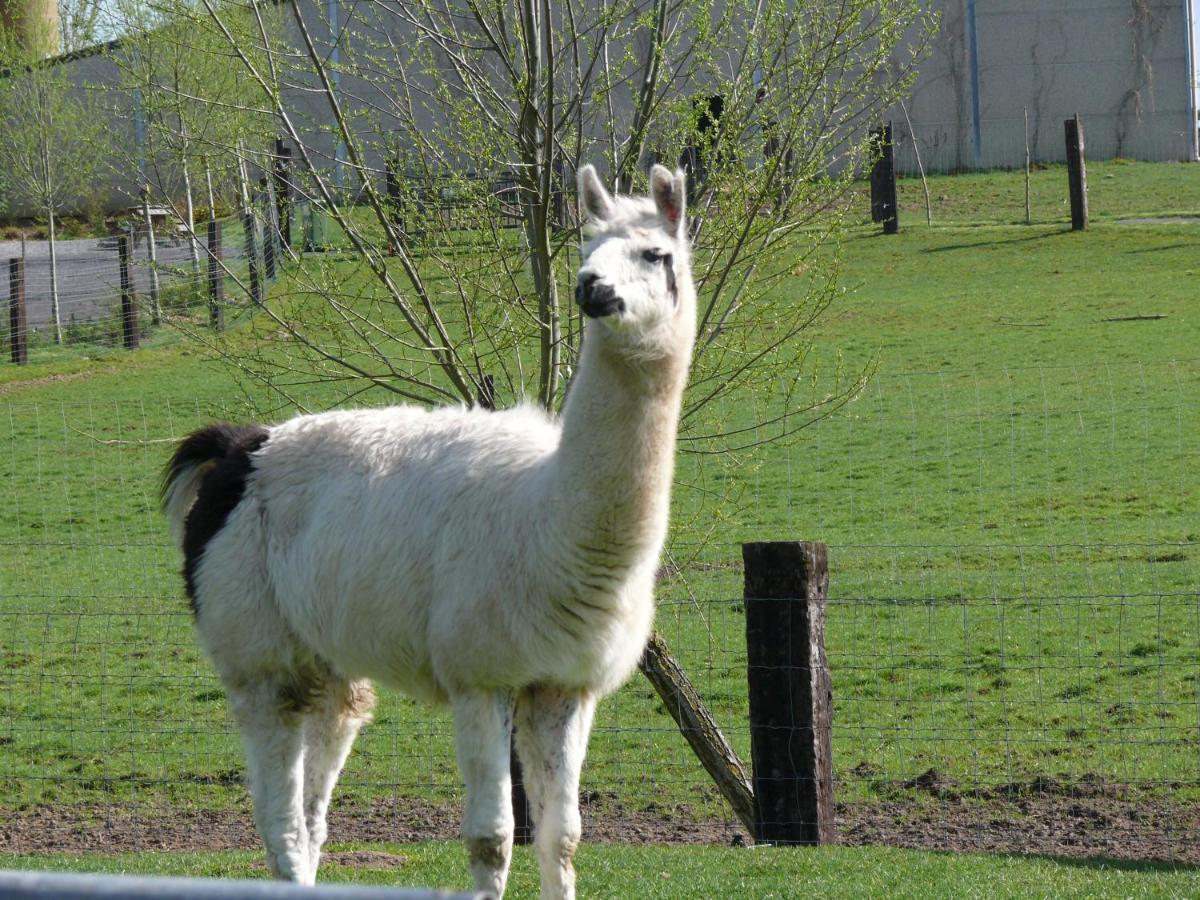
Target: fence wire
[(1013, 632), (89, 280)]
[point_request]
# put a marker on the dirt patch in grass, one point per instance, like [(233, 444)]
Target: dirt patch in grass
[(1031, 818), (365, 859)]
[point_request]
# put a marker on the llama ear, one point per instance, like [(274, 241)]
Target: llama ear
[(595, 199), (670, 195)]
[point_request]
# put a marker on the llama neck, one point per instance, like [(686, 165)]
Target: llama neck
[(613, 469)]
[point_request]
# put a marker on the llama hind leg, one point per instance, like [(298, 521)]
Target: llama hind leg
[(482, 732), (329, 731), (552, 734), (273, 739)]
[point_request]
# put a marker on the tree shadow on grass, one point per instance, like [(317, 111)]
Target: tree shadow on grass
[(1041, 235), (1145, 866)]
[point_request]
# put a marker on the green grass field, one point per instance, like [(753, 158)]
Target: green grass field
[(1010, 505), (658, 873)]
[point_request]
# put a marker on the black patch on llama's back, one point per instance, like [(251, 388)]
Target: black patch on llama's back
[(226, 449)]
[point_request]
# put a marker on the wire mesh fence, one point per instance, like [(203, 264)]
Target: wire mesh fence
[(172, 279), (1013, 632)]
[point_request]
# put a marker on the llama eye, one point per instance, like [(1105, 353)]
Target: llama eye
[(655, 256)]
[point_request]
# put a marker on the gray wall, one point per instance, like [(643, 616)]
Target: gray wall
[(1123, 66)]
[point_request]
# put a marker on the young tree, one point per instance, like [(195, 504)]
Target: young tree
[(193, 98), (483, 113), (82, 24), (53, 143), (491, 107)]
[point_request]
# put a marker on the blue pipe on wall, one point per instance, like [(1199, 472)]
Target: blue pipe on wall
[(973, 37)]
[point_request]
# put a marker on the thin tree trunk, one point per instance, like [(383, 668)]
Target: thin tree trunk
[(193, 244), (212, 198), (920, 168), (55, 314), (152, 253), (1028, 209)]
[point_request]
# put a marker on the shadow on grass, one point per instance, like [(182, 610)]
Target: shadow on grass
[(1041, 235), (1144, 866), (1184, 246)]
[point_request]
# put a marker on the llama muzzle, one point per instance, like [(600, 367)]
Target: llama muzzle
[(596, 298)]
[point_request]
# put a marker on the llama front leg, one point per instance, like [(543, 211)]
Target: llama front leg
[(552, 734), (329, 731), (275, 763), (482, 731)]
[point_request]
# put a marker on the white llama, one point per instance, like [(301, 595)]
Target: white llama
[(501, 562)]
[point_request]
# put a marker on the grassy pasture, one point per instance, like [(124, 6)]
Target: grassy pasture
[(621, 870), (1010, 505)]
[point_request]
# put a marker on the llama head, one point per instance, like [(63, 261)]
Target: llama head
[(635, 281)]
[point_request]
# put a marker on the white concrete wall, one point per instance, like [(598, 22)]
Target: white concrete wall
[(1129, 75), (1124, 67)]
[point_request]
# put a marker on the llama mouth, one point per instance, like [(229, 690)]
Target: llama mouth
[(597, 300)]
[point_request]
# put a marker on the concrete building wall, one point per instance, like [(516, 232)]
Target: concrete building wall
[(1128, 67), (1124, 65)]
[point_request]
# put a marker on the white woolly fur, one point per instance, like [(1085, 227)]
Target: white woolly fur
[(501, 562)]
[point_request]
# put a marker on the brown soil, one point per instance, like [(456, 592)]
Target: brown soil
[(1039, 817)]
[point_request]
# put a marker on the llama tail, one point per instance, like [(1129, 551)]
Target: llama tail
[(198, 454)]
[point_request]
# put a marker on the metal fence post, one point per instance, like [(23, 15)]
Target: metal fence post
[(216, 277), (129, 317), (791, 697), (18, 336)]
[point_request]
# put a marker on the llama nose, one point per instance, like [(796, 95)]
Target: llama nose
[(597, 299)]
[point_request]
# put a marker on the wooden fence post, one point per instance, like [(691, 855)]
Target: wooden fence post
[(18, 336), (883, 180), (250, 230), (129, 317), (216, 277), (283, 191), (1076, 173), (791, 697), (684, 704), (269, 230)]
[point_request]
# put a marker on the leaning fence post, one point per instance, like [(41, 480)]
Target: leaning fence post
[(1076, 173), (216, 277), (791, 697), (883, 180), (129, 319), (17, 335)]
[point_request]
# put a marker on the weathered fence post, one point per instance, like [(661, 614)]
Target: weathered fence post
[(18, 337), (791, 696), (250, 230), (1076, 173), (216, 277), (283, 191), (270, 236), (883, 180), (684, 704), (129, 317)]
